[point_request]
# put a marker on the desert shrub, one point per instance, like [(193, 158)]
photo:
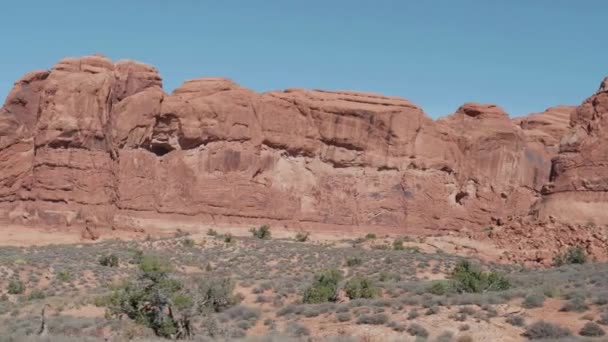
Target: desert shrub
[(545, 330), (36, 294), (109, 260), (603, 318), (263, 232), (439, 288), (297, 330), (592, 330), (360, 287), (64, 276), (417, 330), (228, 238), (412, 314), (164, 303), (398, 245), (432, 310), (211, 232), (466, 278), (324, 287), (370, 236), (373, 319), (188, 242), (353, 261), (601, 299), (516, 320), (343, 317), (446, 336), (302, 236), (15, 286), (533, 300), (576, 304), (573, 255)]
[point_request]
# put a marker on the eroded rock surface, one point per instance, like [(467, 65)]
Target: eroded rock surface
[(101, 141)]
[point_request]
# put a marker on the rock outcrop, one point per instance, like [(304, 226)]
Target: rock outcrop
[(92, 140)]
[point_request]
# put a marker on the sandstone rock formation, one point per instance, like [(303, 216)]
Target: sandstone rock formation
[(101, 141)]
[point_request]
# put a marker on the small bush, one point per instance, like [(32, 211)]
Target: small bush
[(36, 294), (576, 304), (343, 317), (360, 287), (592, 330), (573, 255), (439, 288), (324, 287), (370, 236), (15, 286), (297, 330), (603, 318), (211, 232), (64, 276), (545, 330), (373, 319), (302, 236), (188, 242), (110, 260), (417, 330), (516, 320), (465, 278), (412, 314), (263, 232), (353, 261), (228, 238), (398, 245), (533, 300)]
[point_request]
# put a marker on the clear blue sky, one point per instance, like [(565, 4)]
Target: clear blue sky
[(525, 55)]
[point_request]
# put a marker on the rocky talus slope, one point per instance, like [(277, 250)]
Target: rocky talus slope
[(98, 141)]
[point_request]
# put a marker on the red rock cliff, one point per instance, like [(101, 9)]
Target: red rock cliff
[(93, 139)]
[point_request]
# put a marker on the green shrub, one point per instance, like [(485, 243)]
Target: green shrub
[(211, 232), (533, 300), (64, 276), (324, 287), (370, 236), (15, 286), (545, 330), (439, 288), (302, 236), (165, 304), (110, 260), (573, 255), (36, 294), (360, 287), (465, 278), (263, 232), (592, 330)]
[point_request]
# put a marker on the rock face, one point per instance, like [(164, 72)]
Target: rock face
[(100, 141)]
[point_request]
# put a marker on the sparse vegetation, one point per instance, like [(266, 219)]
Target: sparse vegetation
[(302, 236), (15, 286), (573, 255), (324, 287), (591, 329), (263, 232), (360, 287), (545, 330), (109, 260)]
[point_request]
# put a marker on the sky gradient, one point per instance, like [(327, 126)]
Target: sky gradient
[(524, 55)]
